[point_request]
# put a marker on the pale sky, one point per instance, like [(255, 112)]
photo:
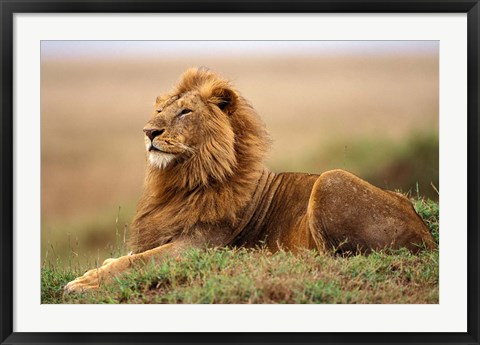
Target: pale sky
[(109, 49)]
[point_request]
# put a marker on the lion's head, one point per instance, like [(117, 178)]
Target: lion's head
[(204, 131)]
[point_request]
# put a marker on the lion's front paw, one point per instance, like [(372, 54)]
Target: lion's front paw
[(93, 278), (90, 280)]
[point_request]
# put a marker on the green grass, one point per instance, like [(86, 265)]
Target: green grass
[(257, 276)]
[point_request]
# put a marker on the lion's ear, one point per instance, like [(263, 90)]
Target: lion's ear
[(224, 98)]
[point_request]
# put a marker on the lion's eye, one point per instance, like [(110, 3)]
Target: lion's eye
[(184, 112), (159, 111)]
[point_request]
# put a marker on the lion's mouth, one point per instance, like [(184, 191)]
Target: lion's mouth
[(154, 149), (168, 148)]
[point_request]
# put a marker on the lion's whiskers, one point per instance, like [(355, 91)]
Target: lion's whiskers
[(187, 148)]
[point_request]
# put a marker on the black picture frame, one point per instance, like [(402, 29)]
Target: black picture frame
[(10, 7)]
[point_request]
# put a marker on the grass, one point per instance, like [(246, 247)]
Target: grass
[(257, 276)]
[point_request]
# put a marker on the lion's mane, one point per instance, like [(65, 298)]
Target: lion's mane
[(215, 184)]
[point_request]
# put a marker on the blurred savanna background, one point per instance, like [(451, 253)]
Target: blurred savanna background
[(368, 107)]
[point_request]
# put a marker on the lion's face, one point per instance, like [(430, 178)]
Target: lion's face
[(181, 126), (168, 134)]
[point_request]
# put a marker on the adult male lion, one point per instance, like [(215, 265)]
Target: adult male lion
[(205, 185)]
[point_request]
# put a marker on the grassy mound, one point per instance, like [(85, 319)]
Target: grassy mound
[(257, 276)]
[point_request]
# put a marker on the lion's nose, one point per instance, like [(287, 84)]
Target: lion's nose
[(152, 133)]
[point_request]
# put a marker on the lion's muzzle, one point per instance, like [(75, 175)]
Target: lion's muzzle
[(152, 133)]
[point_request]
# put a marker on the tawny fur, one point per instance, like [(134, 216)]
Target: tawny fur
[(215, 191)]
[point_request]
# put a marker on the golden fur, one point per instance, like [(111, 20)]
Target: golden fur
[(206, 185)]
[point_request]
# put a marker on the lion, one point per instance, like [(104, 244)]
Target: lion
[(206, 186)]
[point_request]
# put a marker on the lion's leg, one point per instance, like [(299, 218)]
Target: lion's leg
[(348, 214), (112, 268)]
